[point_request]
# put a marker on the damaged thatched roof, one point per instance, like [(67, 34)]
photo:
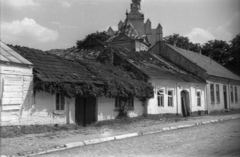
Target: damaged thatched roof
[(51, 68), (150, 64), (154, 66), (56, 74)]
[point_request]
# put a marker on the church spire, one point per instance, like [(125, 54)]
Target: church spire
[(136, 5)]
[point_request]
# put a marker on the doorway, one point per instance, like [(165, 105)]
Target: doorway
[(85, 110), (225, 97), (185, 103)]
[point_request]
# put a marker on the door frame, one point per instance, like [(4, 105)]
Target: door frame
[(225, 97)]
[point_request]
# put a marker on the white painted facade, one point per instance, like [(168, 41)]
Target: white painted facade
[(43, 108), (177, 88), (106, 109), (43, 111), (219, 105)]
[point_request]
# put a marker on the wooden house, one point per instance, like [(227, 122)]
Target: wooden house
[(15, 86)]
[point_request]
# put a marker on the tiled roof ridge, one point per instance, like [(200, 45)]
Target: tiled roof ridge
[(205, 57), (183, 55)]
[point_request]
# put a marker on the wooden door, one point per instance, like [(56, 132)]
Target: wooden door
[(225, 96), (184, 111), (85, 110), (90, 110), (185, 103), (79, 110)]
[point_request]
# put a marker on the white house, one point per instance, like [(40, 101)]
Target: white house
[(223, 86), (176, 91)]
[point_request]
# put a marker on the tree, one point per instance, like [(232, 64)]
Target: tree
[(102, 36), (234, 56), (182, 42), (217, 50)]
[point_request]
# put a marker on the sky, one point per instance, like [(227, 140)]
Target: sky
[(58, 24)]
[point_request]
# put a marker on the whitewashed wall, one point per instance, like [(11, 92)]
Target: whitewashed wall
[(177, 87), (106, 109), (236, 105), (43, 112), (220, 106)]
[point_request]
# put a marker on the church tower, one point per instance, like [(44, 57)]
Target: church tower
[(136, 17), (135, 27)]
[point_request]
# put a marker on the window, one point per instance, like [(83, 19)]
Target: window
[(120, 101), (212, 93), (170, 98), (60, 102), (160, 97), (198, 98), (231, 88), (217, 93), (236, 95)]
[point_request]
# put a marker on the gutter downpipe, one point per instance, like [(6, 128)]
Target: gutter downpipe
[(190, 98), (229, 94), (206, 98), (177, 95)]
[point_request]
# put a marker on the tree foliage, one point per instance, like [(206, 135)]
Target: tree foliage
[(217, 50), (226, 54), (234, 56), (182, 42), (101, 36)]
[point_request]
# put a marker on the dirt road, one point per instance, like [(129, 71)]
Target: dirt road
[(216, 139)]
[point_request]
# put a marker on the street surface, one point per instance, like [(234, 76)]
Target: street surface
[(216, 139)]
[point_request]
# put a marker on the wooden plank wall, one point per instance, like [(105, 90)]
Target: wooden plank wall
[(15, 94)]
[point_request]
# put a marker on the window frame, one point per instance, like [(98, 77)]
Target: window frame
[(170, 97), (118, 101), (160, 97), (218, 93), (199, 103), (59, 102), (212, 94)]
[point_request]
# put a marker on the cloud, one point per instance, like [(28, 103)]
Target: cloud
[(26, 31), (18, 4), (65, 4), (199, 35)]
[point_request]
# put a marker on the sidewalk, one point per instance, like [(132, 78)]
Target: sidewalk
[(36, 143)]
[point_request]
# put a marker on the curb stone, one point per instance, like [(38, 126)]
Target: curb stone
[(106, 139), (74, 144), (93, 141), (165, 129), (113, 138)]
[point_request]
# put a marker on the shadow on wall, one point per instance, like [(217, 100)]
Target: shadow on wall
[(43, 110)]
